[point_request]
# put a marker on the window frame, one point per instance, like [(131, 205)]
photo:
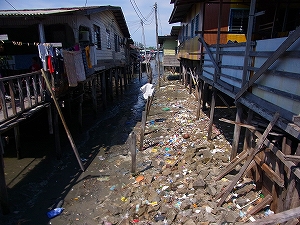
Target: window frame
[(97, 36)]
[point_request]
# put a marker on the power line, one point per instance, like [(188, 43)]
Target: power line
[(135, 10), (12, 6), (139, 10), (140, 15)]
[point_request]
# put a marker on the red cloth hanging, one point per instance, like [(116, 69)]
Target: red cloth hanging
[(50, 64)]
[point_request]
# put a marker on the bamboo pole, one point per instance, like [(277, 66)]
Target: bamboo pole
[(133, 151), (63, 120)]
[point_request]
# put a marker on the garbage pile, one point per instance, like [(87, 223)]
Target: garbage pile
[(175, 181)]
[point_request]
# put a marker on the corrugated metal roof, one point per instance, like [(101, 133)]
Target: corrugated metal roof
[(116, 10), (36, 12)]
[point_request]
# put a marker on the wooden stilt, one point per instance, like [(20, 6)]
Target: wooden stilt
[(50, 120), (110, 84), (237, 131), (248, 134), (125, 78), (199, 100), (121, 80), (4, 203), (103, 89), (142, 133), (94, 96), (205, 92), (80, 101), (18, 141), (190, 83), (140, 72), (184, 76), (116, 76), (132, 137), (211, 115)]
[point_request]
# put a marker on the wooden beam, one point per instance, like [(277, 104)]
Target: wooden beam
[(293, 221), (232, 164), (269, 172), (278, 217), (201, 39), (257, 148), (262, 204), (277, 53), (292, 167), (294, 158)]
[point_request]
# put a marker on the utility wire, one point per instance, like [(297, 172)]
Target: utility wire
[(139, 13), (135, 10), (139, 10), (12, 6)]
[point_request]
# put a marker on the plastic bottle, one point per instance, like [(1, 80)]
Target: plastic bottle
[(54, 212)]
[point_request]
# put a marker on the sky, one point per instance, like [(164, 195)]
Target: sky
[(142, 10)]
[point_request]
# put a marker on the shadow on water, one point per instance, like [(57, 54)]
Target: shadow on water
[(38, 181)]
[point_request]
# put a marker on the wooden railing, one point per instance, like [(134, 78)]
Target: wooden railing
[(20, 93)]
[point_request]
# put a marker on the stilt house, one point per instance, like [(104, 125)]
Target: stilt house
[(249, 51)]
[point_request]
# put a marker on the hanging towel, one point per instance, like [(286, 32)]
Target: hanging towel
[(74, 67)]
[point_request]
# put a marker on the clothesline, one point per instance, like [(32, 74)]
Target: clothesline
[(20, 43)]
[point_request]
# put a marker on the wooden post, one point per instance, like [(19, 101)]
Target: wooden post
[(180, 73), (132, 137), (116, 76), (80, 101), (94, 96), (237, 131), (190, 82), (125, 78), (3, 189), (185, 78), (121, 80), (248, 134), (110, 84), (205, 91), (50, 120), (140, 72), (211, 114), (142, 133), (18, 141), (103, 89), (199, 89)]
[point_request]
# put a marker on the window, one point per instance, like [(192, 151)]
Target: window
[(238, 21), (108, 42), (186, 31), (117, 43), (97, 36), (182, 34), (197, 23), (192, 28)]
